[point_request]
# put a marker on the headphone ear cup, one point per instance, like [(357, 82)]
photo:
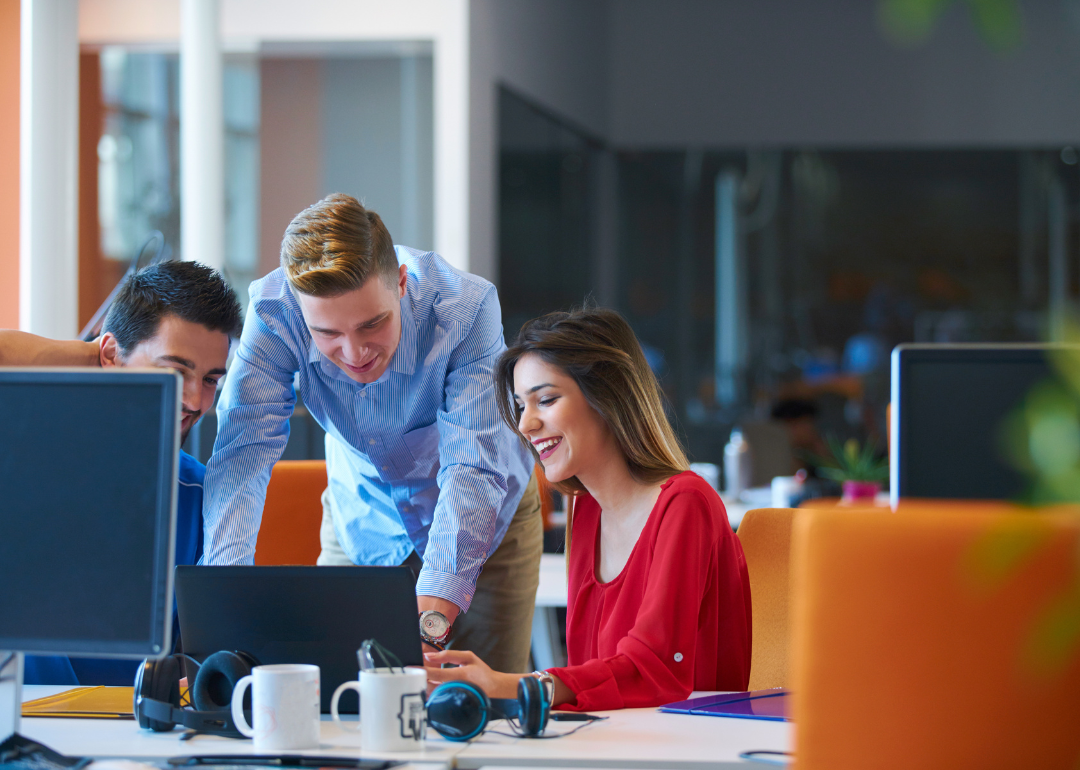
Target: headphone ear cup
[(532, 706), (458, 711), (217, 678), (157, 680)]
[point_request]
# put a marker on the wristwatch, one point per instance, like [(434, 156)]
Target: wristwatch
[(547, 681), (435, 629)]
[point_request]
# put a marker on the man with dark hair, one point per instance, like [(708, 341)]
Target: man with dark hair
[(174, 315)]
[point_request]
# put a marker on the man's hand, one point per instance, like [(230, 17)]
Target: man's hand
[(445, 606)]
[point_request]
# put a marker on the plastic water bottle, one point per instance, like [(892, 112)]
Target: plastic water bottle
[(736, 465)]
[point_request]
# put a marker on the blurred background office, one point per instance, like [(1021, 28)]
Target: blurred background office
[(774, 194)]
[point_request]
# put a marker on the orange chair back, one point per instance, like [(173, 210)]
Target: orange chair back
[(940, 636), (289, 533), (765, 534)]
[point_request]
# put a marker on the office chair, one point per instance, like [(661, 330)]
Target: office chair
[(936, 637), (289, 533), (765, 534)]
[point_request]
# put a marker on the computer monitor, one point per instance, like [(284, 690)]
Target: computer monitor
[(88, 470), (948, 406)]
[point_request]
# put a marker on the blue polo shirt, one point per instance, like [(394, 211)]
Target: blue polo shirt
[(59, 669)]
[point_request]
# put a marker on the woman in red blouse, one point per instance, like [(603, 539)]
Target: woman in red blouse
[(659, 600)]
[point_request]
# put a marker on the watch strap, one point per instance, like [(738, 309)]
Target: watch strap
[(547, 681)]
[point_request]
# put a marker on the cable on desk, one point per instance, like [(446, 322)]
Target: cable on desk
[(766, 757), (519, 733)]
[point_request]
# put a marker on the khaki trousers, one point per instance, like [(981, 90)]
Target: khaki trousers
[(498, 625)]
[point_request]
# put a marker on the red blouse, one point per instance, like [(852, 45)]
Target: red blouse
[(676, 619)]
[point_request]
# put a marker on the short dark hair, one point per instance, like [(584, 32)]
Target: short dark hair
[(188, 290)]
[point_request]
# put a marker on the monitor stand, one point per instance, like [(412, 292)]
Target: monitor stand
[(11, 677)]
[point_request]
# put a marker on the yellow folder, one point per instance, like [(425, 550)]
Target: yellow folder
[(84, 703)]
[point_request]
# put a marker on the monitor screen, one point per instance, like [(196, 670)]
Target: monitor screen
[(87, 510), (949, 403)]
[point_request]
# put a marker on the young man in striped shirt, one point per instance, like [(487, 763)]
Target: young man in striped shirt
[(392, 350)]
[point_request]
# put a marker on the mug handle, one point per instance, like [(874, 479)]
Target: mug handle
[(350, 685), (238, 707)]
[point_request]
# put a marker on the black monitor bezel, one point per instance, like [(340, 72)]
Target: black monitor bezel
[(159, 635), (903, 356)]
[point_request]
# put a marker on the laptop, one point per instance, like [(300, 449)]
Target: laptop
[(317, 615)]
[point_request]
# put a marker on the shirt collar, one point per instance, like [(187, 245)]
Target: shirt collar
[(404, 360)]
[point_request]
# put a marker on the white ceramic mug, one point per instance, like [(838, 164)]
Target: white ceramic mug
[(284, 707), (392, 712)]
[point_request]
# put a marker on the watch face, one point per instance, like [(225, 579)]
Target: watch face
[(434, 624)]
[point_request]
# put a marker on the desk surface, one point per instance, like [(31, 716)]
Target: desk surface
[(634, 738), (552, 591), (631, 738)]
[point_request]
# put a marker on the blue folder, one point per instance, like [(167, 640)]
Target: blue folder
[(771, 705)]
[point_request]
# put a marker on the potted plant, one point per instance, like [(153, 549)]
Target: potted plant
[(858, 469)]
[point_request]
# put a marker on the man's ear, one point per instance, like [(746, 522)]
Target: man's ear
[(109, 351), (403, 276)]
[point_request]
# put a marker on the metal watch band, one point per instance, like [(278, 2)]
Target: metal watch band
[(547, 681)]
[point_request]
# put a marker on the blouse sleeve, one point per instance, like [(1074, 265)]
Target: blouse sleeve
[(655, 662)]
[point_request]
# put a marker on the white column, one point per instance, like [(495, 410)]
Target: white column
[(48, 168), (452, 168), (202, 135)]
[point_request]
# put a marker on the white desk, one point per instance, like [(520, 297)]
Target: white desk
[(123, 738), (547, 646), (633, 738)]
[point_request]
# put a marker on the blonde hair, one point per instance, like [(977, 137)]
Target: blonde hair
[(335, 246), (598, 349)]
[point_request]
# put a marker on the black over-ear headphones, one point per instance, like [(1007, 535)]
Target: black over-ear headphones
[(460, 711), (157, 693)]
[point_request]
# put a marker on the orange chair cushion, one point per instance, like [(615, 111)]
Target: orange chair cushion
[(765, 535), (289, 533), (939, 636)]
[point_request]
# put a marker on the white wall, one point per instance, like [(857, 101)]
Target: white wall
[(551, 51), (772, 72)]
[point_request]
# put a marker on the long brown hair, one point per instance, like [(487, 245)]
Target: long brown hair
[(598, 349)]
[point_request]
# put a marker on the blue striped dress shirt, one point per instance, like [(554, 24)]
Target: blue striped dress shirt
[(418, 459)]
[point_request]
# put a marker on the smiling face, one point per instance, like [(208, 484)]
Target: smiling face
[(570, 436), (198, 353), (360, 329)]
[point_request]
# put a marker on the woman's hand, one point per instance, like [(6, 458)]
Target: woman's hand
[(469, 668)]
